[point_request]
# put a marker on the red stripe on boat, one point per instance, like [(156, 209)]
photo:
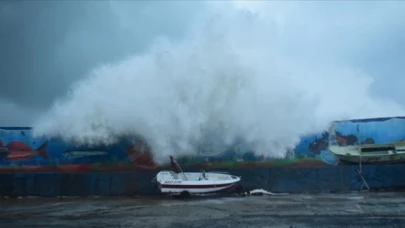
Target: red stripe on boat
[(195, 186)]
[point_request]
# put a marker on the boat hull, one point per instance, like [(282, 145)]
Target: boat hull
[(195, 189), (194, 182), (370, 154), (378, 159)]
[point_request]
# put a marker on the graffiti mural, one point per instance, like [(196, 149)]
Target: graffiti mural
[(319, 144), (141, 155), (15, 150), (20, 151), (369, 131)]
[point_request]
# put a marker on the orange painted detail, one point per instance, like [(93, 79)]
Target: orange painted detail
[(20, 151), (141, 156)]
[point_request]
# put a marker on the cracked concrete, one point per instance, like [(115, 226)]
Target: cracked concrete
[(298, 211)]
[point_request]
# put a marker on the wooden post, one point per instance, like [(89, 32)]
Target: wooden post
[(359, 147), (360, 160)]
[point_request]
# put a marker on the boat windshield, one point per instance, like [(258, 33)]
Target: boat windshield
[(175, 166)]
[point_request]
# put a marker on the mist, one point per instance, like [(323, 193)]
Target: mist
[(230, 77), (182, 73)]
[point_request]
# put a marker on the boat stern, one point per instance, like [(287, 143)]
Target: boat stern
[(236, 178)]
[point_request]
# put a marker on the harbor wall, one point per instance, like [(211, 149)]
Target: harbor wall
[(51, 167), (284, 180)]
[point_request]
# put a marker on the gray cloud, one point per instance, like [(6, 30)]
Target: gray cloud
[(47, 45)]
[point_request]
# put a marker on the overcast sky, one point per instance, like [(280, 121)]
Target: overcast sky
[(45, 46)]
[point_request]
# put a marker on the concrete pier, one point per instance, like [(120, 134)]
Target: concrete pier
[(296, 210)]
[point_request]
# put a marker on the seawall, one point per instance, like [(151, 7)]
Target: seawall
[(32, 166), (290, 180)]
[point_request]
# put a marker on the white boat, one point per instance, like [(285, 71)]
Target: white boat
[(366, 153), (380, 153), (182, 183)]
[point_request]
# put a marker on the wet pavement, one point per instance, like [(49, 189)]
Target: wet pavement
[(327, 210)]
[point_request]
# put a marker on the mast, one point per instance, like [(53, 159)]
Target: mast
[(360, 160), (176, 167)]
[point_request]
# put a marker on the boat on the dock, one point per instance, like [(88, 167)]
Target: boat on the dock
[(177, 182), (370, 153), (366, 151)]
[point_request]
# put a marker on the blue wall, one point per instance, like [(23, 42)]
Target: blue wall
[(16, 141), (19, 141), (371, 131)]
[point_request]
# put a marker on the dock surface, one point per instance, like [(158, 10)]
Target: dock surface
[(290, 211)]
